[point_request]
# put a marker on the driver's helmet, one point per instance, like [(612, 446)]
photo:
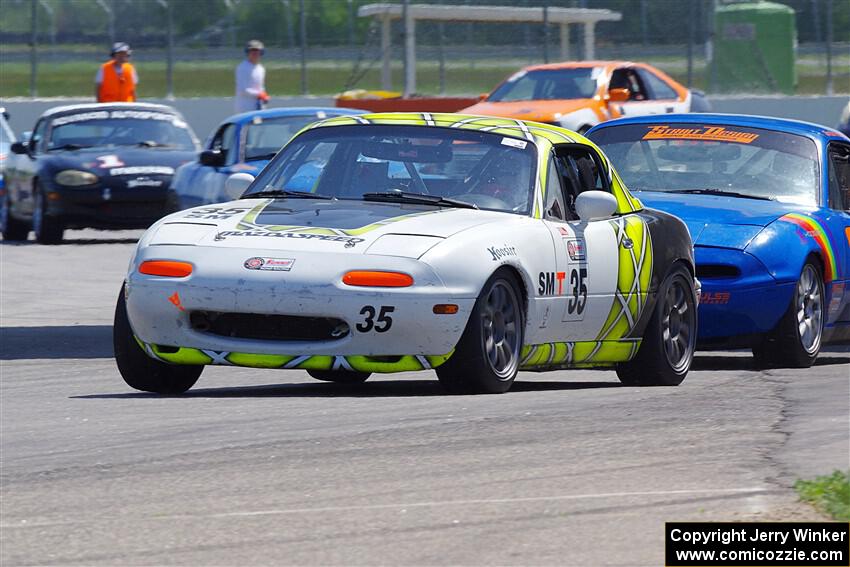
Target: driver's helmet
[(506, 179)]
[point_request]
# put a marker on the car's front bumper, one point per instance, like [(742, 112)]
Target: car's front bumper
[(160, 308), (739, 298), (107, 205)]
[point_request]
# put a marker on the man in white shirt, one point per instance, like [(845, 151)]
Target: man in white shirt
[(251, 79)]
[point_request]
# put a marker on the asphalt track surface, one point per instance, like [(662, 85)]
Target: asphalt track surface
[(273, 467)]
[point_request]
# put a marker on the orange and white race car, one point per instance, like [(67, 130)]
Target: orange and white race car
[(580, 94)]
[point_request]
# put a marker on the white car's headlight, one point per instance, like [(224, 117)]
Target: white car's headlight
[(404, 245), (179, 233), (75, 178)]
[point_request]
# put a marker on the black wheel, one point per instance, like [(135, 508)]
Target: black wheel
[(141, 371), (486, 358), (669, 341), (796, 340), (12, 228), (340, 376), (48, 229)]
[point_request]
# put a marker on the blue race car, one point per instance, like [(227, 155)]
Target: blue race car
[(767, 202), (243, 143)]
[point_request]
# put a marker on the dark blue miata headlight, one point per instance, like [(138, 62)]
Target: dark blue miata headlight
[(75, 178)]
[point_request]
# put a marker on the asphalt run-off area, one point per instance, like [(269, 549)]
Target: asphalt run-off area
[(268, 467)]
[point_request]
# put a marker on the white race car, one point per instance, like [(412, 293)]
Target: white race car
[(471, 245)]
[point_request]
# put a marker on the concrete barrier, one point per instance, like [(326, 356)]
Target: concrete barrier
[(205, 113)]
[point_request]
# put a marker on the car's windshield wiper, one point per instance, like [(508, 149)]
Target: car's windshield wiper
[(286, 193), (419, 198), (262, 156), (68, 147), (722, 192), (152, 144)]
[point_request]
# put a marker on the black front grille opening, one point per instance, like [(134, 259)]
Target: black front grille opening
[(390, 359), (165, 349), (269, 327), (714, 271)]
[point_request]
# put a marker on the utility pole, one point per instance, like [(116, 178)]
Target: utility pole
[(290, 27), (829, 88), (405, 24), (33, 41), (441, 40), (303, 15), (546, 31), (691, 27), (169, 64)]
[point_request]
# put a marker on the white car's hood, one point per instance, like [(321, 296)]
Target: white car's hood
[(312, 225)]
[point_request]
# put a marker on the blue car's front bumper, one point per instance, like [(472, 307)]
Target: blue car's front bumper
[(739, 297)]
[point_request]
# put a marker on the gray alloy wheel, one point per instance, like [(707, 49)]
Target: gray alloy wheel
[(487, 357), (678, 325), (809, 310), (499, 320), (667, 348), (796, 340)]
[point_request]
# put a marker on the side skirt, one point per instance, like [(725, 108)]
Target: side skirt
[(581, 354)]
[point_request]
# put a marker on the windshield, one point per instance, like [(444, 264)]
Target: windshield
[(120, 128), (487, 170), (548, 84), (732, 159), (265, 136)]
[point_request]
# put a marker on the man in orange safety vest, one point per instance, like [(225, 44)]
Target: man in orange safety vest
[(116, 79)]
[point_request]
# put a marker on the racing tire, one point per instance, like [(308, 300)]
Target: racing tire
[(12, 229), (796, 340), (486, 359), (139, 370), (667, 349), (47, 229), (340, 376)]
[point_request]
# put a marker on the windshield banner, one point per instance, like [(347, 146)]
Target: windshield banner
[(705, 133)]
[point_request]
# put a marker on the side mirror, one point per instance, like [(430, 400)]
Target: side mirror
[(19, 148), (213, 158), (619, 95), (236, 184), (592, 205), (483, 96)]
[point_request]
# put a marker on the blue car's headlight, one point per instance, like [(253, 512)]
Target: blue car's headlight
[(734, 236), (75, 178)]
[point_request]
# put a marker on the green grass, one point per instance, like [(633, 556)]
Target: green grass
[(196, 79), (829, 494)]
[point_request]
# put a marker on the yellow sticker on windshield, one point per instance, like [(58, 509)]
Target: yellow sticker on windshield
[(705, 133)]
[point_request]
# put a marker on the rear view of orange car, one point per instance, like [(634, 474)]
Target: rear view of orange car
[(579, 95)]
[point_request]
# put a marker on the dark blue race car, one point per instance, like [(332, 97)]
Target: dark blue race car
[(767, 202), (104, 166), (243, 143)]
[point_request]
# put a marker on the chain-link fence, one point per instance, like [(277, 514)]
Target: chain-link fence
[(187, 48)]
